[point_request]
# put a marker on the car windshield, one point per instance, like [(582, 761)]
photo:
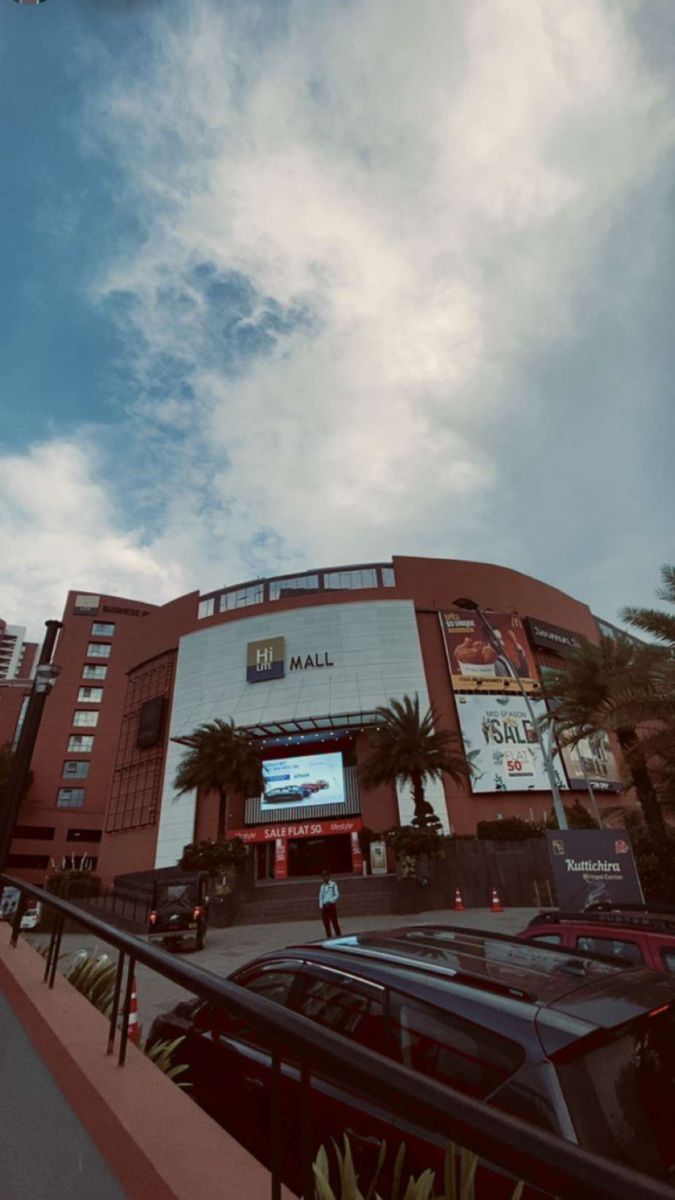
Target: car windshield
[(632, 1079), (175, 896)]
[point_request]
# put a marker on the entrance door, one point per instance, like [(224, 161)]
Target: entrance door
[(311, 856)]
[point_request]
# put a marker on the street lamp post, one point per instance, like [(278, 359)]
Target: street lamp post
[(491, 633), (46, 673)]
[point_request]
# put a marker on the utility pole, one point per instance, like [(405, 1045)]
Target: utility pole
[(45, 677), (494, 641)]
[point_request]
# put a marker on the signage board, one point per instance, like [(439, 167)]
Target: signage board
[(302, 829), (552, 637), (85, 605), (302, 782), (501, 744), (475, 665), (265, 659), (378, 858), (591, 866), (592, 761)]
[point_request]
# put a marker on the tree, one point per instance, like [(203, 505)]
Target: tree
[(657, 706), (406, 746), (220, 758), (610, 687)]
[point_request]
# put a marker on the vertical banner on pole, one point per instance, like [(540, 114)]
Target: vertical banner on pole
[(281, 858), (357, 857)]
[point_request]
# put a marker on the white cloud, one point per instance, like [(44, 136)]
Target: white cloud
[(425, 185), (59, 531)]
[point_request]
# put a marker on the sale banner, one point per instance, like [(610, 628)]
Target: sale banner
[(501, 744), (475, 664)]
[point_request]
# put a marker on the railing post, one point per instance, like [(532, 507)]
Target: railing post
[(306, 1131), (124, 1036), (50, 951), (275, 1124), (57, 946), (116, 1001), (16, 920)]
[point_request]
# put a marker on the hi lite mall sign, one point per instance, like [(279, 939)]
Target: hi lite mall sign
[(266, 660)]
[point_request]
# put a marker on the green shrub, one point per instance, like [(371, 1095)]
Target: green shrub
[(510, 829), (409, 842)]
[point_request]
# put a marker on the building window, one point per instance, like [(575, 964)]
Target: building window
[(206, 608), (34, 862), (75, 768), (388, 577), (37, 833), (102, 629), (80, 743), (290, 587), (351, 579), (82, 716), (242, 597), (99, 650), (83, 835), (94, 671), (90, 695), (70, 798)]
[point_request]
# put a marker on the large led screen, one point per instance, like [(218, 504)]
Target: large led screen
[(303, 782), (501, 744)]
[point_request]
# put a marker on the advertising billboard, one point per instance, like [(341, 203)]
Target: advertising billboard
[(591, 761), (591, 866), (501, 744), (303, 782), (474, 665)]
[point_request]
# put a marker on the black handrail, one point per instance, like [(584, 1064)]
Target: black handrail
[(548, 1162)]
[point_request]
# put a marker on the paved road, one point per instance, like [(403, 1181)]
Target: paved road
[(227, 949)]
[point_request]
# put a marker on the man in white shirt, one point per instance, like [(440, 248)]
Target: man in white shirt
[(328, 897)]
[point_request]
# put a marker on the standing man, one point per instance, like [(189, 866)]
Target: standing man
[(328, 898)]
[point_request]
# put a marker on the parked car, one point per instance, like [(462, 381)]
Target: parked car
[(578, 1045), (286, 795), (9, 902), (640, 933), (179, 909)]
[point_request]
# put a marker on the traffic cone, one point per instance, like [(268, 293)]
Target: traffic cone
[(495, 905), (459, 903), (134, 1027)]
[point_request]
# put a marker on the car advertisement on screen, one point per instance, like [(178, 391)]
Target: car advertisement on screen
[(501, 745), (303, 782), (475, 665)]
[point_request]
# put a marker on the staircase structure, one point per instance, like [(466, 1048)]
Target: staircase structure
[(298, 899)]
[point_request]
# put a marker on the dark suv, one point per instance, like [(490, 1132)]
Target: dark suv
[(576, 1044)]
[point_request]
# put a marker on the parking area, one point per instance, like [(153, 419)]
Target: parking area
[(227, 949)]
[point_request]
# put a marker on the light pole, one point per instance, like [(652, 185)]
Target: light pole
[(46, 674), (491, 633)]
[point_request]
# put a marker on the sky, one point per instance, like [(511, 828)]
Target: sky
[(293, 284)]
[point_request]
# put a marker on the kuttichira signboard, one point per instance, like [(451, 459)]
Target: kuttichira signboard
[(475, 665), (593, 865)]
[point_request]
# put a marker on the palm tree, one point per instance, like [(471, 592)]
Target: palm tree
[(610, 688), (220, 757), (660, 702), (406, 746)]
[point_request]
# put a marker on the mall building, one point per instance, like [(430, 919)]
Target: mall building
[(301, 663)]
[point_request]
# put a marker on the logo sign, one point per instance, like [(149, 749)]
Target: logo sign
[(552, 637), (85, 606), (265, 659), (592, 866)]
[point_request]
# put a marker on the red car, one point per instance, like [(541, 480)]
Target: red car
[(644, 935)]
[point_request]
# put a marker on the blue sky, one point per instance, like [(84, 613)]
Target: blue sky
[(289, 285)]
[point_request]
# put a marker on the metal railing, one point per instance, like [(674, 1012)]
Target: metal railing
[(560, 1168)]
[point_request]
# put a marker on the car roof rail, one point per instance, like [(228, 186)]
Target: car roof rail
[(636, 916)]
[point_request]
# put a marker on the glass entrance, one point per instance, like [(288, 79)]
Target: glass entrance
[(311, 856)]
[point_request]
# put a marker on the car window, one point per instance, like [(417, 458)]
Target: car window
[(220, 1021), (668, 960), (452, 1050), (554, 939), (347, 1010), (615, 947)]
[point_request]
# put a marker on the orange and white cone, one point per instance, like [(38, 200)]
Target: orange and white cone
[(134, 1027), (495, 903), (459, 903)]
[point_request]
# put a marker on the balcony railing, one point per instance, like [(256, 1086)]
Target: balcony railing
[(557, 1167)]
